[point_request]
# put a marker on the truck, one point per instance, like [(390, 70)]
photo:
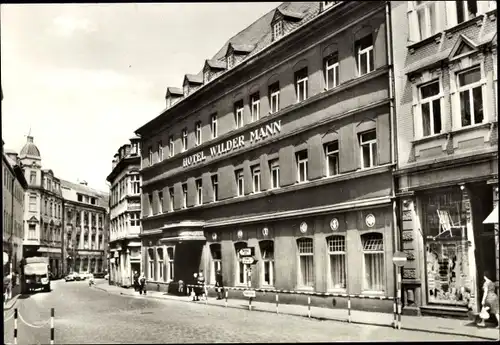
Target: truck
[(35, 274)]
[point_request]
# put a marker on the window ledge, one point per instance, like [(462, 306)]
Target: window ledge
[(337, 291), (430, 138), (418, 44), (373, 293), (473, 127), (304, 288), (463, 25)]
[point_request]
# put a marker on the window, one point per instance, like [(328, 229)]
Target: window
[(275, 173), (161, 264), (171, 147), (278, 30), (364, 49), (150, 197), (51, 209), (150, 153), (160, 151), (31, 231), (368, 144), (301, 79), (80, 198), (170, 274), (255, 106), (301, 166), (327, 4), (332, 71), (33, 177), (471, 97), (274, 97), (230, 61), (466, 10), (151, 267), (256, 179), (171, 198), (184, 139), (215, 250), (213, 125), (336, 251), (241, 269), (238, 114), (136, 184), (430, 107), (32, 203), (373, 256), (215, 187), (184, 195), (427, 18), (134, 219), (199, 192), (240, 182), (306, 262), (160, 202), (332, 158), (267, 252), (198, 133)]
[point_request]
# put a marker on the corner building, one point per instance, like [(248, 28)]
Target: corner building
[(445, 58), (282, 142)]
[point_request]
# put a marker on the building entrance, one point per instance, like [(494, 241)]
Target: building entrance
[(187, 260)]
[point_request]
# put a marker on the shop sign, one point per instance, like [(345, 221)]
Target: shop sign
[(191, 233), (265, 231), (370, 220), (249, 293), (256, 135), (303, 227), (240, 234), (247, 260), (334, 224), (246, 251)]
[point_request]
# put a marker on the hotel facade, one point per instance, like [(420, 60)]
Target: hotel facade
[(284, 142), (445, 59)]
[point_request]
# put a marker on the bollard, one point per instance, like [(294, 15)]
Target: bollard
[(395, 311), (399, 314), (398, 301), (189, 292), (250, 303), (226, 297), (277, 303), (15, 326), (309, 306), (51, 326), (349, 308)]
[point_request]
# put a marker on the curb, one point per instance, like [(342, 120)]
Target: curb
[(10, 303), (319, 318)]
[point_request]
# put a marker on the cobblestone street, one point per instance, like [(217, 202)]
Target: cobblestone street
[(88, 315)]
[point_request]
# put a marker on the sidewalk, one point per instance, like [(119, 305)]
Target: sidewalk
[(10, 303), (413, 323)]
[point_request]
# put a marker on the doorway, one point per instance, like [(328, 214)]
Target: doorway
[(187, 258)]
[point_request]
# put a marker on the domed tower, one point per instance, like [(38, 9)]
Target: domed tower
[(31, 162)]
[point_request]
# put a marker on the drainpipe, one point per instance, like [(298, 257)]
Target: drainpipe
[(11, 234), (63, 236)]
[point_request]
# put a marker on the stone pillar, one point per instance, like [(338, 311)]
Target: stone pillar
[(97, 232), (80, 245), (81, 265)]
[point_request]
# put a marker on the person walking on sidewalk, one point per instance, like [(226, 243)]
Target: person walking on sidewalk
[(136, 281), (201, 283), (194, 291), (219, 284), (142, 284), (490, 299)]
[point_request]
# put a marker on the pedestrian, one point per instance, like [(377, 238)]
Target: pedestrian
[(142, 284), (219, 285), (136, 281), (489, 302), (194, 291), (201, 284)]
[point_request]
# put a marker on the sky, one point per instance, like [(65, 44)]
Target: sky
[(81, 78)]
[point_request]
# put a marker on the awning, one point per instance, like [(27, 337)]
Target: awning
[(493, 217), (183, 238)]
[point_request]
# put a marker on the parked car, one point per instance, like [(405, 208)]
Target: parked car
[(71, 277), (99, 275), (106, 276), (86, 275)]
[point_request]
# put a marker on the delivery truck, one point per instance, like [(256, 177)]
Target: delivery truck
[(35, 274)]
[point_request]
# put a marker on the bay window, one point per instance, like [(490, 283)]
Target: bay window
[(368, 146), (337, 262), (364, 50), (136, 184), (332, 158), (301, 158), (430, 108), (373, 257), (306, 262), (471, 97)]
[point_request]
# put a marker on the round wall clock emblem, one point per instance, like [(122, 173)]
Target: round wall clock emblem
[(265, 231), (370, 220), (214, 236), (303, 227), (240, 234), (334, 224)]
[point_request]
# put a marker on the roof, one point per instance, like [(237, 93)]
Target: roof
[(215, 64), (194, 78), (69, 191), (174, 91), (9, 151), (30, 149), (294, 15), (242, 48)]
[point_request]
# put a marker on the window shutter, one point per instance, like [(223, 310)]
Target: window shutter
[(348, 148), (166, 198), (451, 14), (455, 102), (227, 183), (265, 173), (178, 199), (384, 139), (315, 158), (207, 188), (288, 167), (191, 192), (247, 177)]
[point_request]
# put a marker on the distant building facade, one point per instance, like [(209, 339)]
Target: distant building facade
[(85, 228), (284, 143), (125, 214), (445, 59)]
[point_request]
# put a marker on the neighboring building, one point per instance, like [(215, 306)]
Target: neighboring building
[(85, 224), (283, 142), (14, 187), (445, 58), (43, 209), (125, 214)]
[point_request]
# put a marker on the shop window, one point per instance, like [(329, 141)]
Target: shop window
[(332, 158), (368, 146), (255, 106), (337, 262), (471, 97), (373, 257), (332, 71), (215, 250), (274, 98), (275, 173), (267, 253), (240, 182), (306, 262), (160, 264), (301, 84), (170, 273), (302, 166), (364, 49), (430, 108), (151, 264), (241, 269)]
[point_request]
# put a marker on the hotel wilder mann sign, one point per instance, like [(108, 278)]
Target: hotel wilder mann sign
[(256, 135)]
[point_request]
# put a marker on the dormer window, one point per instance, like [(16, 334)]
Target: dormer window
[(230, 61), (206, 76), (327, 4), (278, 30), (186, 90)]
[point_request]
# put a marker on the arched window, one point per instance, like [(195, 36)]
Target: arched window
[(306, 262), (267, 253), (170, 273), (337, 262), (373, 257), (215, 251), (241, 269), (151, 262)]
